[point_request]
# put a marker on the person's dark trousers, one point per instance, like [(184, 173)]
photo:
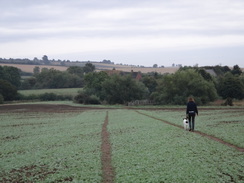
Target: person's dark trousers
[(191, 121)]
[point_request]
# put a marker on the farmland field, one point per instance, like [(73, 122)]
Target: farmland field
[(59, 91), (29, 68), (99, 66), (67, 143)]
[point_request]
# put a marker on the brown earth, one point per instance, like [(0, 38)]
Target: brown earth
[(29, 68), (50, 108), (107, 168), (61, 108)]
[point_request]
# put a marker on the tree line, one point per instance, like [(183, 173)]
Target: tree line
[(121, 88), (169, 88), (46, 61)]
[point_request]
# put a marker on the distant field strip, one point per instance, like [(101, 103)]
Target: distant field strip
[(198, 132)]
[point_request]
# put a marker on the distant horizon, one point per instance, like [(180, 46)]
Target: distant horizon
[(113, 63)]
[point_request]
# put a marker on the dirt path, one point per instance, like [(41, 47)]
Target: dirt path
[(107, 168), (198, 132)]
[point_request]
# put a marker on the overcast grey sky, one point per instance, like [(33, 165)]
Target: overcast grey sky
[(138, 32)]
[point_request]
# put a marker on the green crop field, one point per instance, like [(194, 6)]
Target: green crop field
[(65, 146), (62, 91)]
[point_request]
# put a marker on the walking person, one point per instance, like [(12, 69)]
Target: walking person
[(191, 111)]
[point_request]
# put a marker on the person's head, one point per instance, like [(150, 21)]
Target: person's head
[(191, 99)]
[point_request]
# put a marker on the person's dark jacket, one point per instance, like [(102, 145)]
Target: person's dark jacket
[(191, 108)]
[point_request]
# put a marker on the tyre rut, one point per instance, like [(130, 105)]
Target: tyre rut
[(108, 173)]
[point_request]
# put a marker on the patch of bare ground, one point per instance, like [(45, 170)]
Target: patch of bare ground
[(29, 68), (198, 132), (32, 173), (24, 124), (61, 108), (106, 157), (8, 138), (48, 108)]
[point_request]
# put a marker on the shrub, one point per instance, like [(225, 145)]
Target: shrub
[(93, 100), (80, 98), (84, 98), (48, 97)]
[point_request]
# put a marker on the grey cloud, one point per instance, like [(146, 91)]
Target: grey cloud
[(23, 20)]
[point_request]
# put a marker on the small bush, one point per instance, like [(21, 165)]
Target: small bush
[(93, 100), (83, 98), (48, 97), (80, 98)]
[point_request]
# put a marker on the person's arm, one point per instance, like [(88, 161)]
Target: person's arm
[(187, 108)]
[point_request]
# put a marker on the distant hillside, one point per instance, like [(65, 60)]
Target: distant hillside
[(27, 65), (29, 68), (99, 67)]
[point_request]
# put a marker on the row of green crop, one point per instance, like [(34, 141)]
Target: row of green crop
[(48, 94), (59, 147), (50, 147), (60, 91)]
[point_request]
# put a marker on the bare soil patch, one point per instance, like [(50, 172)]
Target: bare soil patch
[(29, 68), (33, 173), (49, 108), (61, 108), (107, 168)]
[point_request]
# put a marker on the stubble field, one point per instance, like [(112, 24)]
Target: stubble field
[(66, 143)]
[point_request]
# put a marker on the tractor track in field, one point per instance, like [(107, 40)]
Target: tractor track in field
[(106, 157), (197, 132)]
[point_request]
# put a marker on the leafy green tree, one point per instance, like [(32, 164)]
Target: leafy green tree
[(123, 89), (84, 98), (11, 74), (242, 78), (76, 70), (236, 70), (205, 75), (28, 83), (44, 69), (89, 67), (155, 65), (57, 79), (36, 70), (45, 60), (7, 90), (220, 71), (25, 85), (1, 72), (231, 86), (175, 88), (150, 82), (93, 83)]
